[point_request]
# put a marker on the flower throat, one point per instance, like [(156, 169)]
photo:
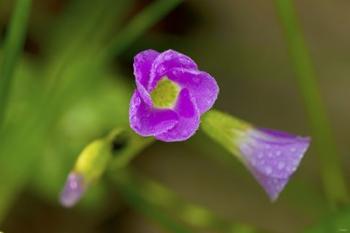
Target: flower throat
[(165, 94)]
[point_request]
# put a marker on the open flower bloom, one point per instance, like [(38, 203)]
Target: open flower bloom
[(271, 156), (171, 95)]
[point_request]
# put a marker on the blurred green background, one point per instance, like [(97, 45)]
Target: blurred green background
[(73, 81)]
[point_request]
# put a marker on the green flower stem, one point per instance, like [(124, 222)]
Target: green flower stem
[(153, 199), (130, 145), (124, 145), (224, 129), (148, 197), (13, 45), (113, 152), (333, 179)]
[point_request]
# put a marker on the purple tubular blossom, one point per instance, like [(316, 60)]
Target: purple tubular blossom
[(73, 190), (272, 156), (197, 92)]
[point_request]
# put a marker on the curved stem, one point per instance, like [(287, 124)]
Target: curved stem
[(138, 25), (333, 178), (13, 45)]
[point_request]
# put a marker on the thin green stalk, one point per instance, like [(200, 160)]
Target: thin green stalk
[(13, 45), (141, 192), (334, 183), (147, 196), (139, 24), (131, 32), (116, 150)]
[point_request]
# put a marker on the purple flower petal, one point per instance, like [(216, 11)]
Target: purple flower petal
[(272, 156), (202, 86), (73, 190), (189, 119), (144, 94), (166, 61), (273, 186), (148, 121), (142, 66)]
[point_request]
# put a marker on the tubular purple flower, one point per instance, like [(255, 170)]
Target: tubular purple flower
[(171, 95), (73, 190), (272, 157)]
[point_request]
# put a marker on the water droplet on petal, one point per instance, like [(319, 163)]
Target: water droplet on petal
[(268, 170), (280, 165)]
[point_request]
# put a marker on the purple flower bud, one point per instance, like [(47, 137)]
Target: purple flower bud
[(272, 156), (171, 95), (73, 190)]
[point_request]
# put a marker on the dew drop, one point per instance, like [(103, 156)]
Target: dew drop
[(280, 165), (268, 170)]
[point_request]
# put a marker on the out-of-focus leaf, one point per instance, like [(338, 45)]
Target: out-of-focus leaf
[(138, 25), (13, 45), (199, 218), (72, 73), (335, 223), (25, 141), (80, 123), (147, 208)]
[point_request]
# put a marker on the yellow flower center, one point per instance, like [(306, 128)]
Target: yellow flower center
[(165, 94)]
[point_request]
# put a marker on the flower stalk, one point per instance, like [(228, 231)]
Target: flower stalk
[(112, 152), (333, 179)]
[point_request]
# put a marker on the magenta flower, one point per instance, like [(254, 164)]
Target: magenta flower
[(171, 95), (272, 157)]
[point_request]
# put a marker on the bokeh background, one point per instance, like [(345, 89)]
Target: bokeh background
[(64, 95)]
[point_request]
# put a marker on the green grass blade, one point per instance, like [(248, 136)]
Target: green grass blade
[(335, 222), (333, 179), (139, 24), (13, 45)]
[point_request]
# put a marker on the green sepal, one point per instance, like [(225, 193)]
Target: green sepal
[(225, 129), (93, 160)]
